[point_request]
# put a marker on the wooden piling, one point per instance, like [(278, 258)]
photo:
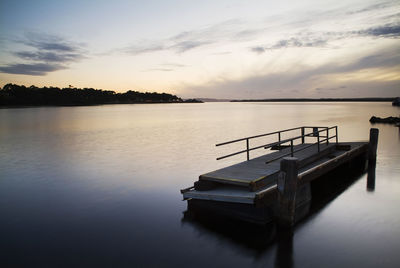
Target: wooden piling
[(287, 187), (373, 145), (371, 178)]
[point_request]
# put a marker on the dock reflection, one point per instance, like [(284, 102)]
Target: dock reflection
[(254, 237), (371, 178), (260, 240), (284, 251)]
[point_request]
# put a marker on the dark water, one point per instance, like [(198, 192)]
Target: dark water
[(99, 186)]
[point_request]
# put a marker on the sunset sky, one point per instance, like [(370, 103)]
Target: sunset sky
[(216, 49)]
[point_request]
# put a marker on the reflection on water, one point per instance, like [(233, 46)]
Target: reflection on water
[(99, 186), (371, 178), (257, 239), (254, 238), (284, 252)]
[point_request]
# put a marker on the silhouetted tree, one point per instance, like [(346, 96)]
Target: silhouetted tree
[(15, 95)]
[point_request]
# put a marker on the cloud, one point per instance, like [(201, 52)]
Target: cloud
[(48, 42), (187, 45), (159, 70), (369, 8), (302, 78), (188, 40), (291, 42), (383, 31), (247, 34), (331, 88), (144, 49), (166, 67), (258, 50), (37, 69), (389, 58), (45, 53), (48, 56), (235, 31), (178, 47), (298, 42), (222, 53), (315, 39), (177, 65)]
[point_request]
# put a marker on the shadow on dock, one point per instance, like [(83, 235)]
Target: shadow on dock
[(256, 239)]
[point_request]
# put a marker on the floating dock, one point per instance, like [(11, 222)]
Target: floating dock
[(276, 185)]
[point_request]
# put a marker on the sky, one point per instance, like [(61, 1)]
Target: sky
[(212, 49)]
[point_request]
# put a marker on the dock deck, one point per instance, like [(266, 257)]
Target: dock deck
[(277, 184), (237, 179), (262, 171)]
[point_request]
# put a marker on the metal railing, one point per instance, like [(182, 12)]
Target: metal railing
[(315, 134)]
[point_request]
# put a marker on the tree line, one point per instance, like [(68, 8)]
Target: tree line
[(16, 95)]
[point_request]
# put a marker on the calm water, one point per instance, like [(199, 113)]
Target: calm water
[(99, 186)]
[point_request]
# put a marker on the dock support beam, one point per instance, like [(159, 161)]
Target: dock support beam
[(372, 148), (287, 187), (373, 145)]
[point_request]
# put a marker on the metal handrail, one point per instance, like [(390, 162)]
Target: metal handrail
[(315, 133), (258, 136), (298, 150)]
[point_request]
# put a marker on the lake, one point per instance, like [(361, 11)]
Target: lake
[(99, 186)]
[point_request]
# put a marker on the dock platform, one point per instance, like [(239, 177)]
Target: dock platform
[(259, 184)]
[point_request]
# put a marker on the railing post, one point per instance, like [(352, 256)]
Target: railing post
[(302, 135), (287, 187), (247, 149), (291, 148), (315, 131), (279, 138), (327, 136), (318, 143), (336, 135)]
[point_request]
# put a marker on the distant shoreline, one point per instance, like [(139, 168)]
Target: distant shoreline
[(183, 102), (82, 105), (319, 100), (17, 96)]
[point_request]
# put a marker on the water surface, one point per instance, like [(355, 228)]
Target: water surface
[(99, 186)]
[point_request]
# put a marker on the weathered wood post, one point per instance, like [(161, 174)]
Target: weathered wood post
[(371, 179), (372, 148), (287, 187), (373, 145)]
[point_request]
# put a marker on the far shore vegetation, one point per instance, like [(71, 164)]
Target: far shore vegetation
[(16, 95), (319, 100), (12, 95)]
